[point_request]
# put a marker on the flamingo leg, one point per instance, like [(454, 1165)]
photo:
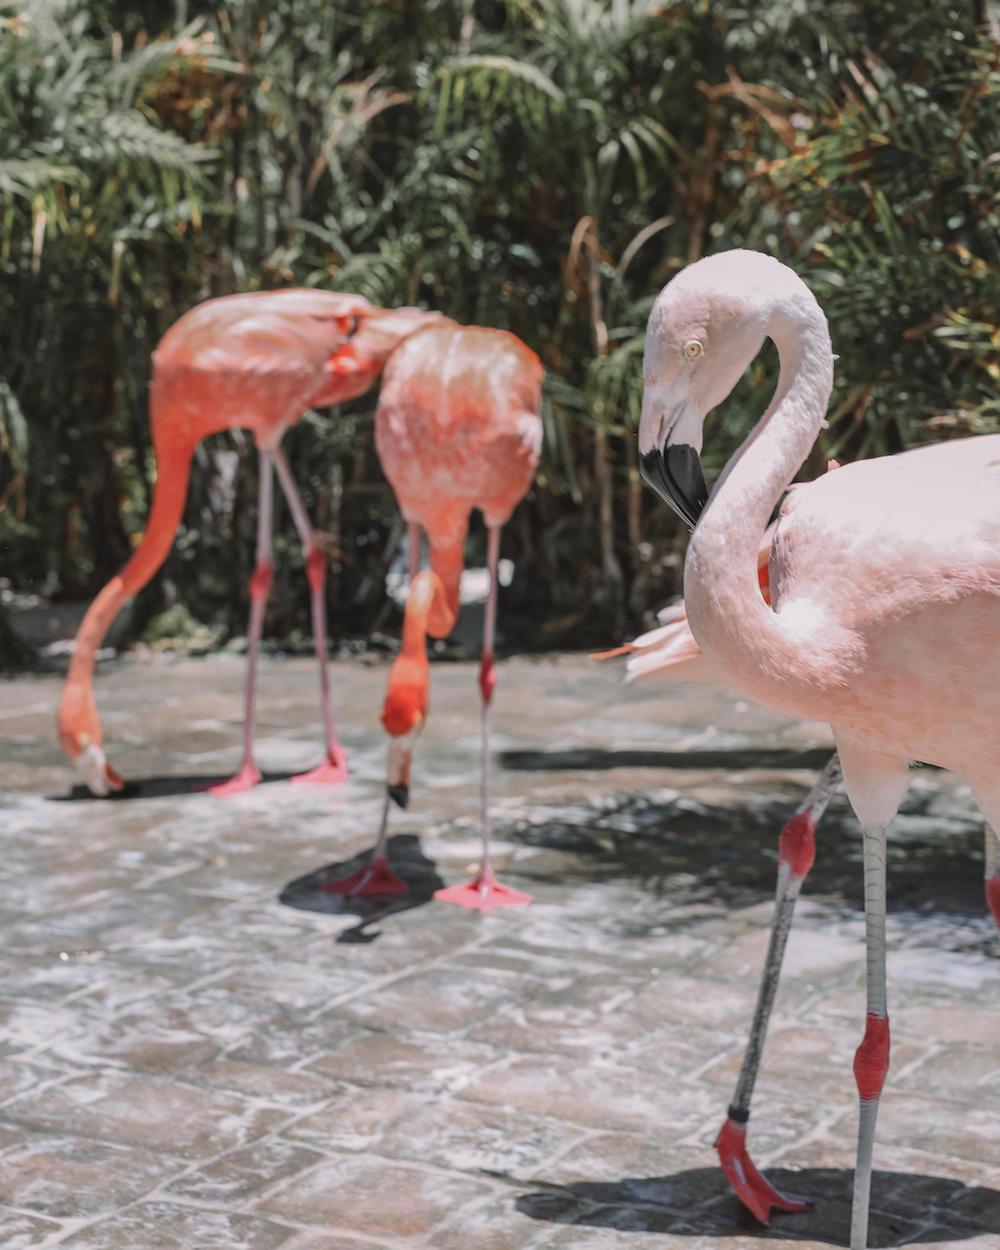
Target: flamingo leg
[(376, 877), (991, 864), (796, 852), (415, 539), (872, 1059), (260, 588), (333, 770), (486, 891)]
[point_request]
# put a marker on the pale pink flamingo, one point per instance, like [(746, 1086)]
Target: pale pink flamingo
[(885, 577), (256, 362), (457, 428)]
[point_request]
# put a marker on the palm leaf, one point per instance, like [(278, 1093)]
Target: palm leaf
[(26, 176), (505, 67), (130, 137), (13, 429)]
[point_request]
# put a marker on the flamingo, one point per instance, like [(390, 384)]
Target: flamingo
[(256, 361), (885, 577), (457, 428)]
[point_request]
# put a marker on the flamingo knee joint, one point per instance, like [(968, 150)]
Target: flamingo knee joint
[(871, 1062)]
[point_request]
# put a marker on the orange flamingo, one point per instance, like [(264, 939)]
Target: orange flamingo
[(256, 362), (457, 428)]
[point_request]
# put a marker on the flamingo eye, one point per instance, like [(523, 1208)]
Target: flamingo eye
[(693, 349)]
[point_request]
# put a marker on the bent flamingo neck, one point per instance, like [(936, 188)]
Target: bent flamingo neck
[(447, 561), (741, 636), (426, 607)]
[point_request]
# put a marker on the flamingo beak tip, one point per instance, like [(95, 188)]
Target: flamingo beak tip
[(96, 772), (675, 474)]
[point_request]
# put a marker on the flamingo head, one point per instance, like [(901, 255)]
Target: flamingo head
[(400, 758), (353, 368), (403, 715), (407, 695), (706, 327), (80, 738)]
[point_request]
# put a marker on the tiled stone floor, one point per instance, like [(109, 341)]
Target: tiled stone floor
[(187, 1063)]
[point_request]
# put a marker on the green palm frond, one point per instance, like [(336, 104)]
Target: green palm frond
[(128, 136), (488, 70), (26, 176), (13, 430), (149, 64)]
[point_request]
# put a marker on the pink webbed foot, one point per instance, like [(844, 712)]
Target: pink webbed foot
[(332, 772), (375, 878), (751, 1188), (248, 776), (483, 893)]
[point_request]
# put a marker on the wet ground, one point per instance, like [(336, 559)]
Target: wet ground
[(186, 1061)]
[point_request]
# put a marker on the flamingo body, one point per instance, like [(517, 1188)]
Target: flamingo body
[(887, 575), (253, 361), (259, 361), (457, 428)]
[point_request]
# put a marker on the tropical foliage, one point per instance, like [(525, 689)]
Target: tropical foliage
[(540, 165)]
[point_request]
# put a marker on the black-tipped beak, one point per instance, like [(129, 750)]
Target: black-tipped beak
[(676, 475), (400, 794)]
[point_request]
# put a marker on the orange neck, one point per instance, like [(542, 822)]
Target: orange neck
[(447, 560), (173, 466), (425, 588), (407, 695)]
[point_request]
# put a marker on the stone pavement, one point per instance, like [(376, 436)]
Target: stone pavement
[(188, 1063)]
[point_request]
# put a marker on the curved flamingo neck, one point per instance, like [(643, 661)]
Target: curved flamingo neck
[(752, 647), (426, 606), (447, 557)]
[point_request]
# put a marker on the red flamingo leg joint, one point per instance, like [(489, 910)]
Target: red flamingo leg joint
[(871, 1063), (991, 864)]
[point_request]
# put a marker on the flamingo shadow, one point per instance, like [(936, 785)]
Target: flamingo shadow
[(906, 1208), (407, 861), (597, 759), (159, 787)]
